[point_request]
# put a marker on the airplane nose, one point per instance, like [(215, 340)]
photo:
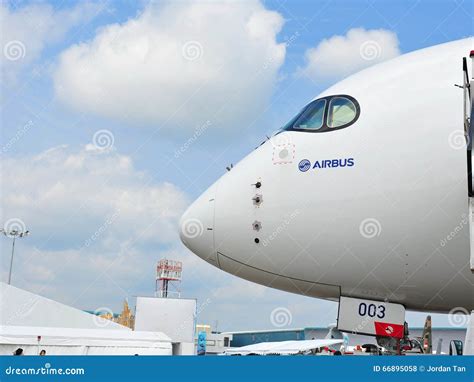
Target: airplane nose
[(197, 226)]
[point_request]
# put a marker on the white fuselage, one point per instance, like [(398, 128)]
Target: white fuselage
[(395, 225)]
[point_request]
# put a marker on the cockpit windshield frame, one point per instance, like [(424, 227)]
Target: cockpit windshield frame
[(290, 126)]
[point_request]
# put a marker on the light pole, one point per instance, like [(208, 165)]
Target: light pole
[(13, 233)]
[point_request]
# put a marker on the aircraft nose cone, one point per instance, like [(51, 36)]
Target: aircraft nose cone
[(197, 227)]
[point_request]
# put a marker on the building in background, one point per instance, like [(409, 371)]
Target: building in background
[(125, 318), (176, 317)]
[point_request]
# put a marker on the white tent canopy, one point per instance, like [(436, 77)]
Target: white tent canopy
[(283, 348), (82, 341), (19, 307), (34, 323)]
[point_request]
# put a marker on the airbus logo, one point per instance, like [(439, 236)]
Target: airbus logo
[(304, 165)]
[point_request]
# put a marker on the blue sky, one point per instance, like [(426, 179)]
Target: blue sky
[(243, 84)]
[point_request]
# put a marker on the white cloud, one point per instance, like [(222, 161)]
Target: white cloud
[(72, 195), (92, 216), (340, 56), (27, 30), (182, 63)]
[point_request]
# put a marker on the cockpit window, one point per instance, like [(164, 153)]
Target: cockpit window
[(341, 112), (312, 117), (326, 114)]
